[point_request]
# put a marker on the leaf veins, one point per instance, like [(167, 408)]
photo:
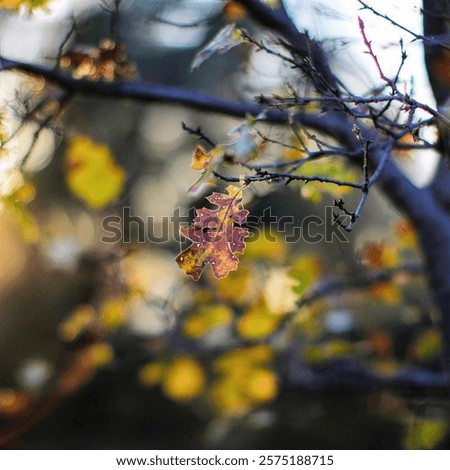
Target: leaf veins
[(216, 236)]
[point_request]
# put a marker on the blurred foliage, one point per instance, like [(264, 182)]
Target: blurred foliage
[(15, 204), (92, 174), (28, 4), (237, 346), (425, 433), (108, 62)]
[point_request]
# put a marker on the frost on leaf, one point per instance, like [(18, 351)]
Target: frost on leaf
[(227, 38), (216, 236)]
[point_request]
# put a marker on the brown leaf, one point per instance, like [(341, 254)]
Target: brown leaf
[(216, 236), (200, 158)]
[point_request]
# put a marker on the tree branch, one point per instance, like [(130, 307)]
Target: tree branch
[(277, 19), (143, 91), (431, 220)]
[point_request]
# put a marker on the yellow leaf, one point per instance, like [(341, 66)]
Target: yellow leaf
[(266, 245), (229, 398), (184, 379), (24, 220), (15, 203), (425, 434), (92, 174), (244, 380), (25, 193), (207, 161), (100, 354), (298, 149), (259, 354), (82, 317), (261, 385), (10, 4), (258, 322), (235, 397), (200, 158), (113, 313), (235, 287), (29, 4), (208, 318)]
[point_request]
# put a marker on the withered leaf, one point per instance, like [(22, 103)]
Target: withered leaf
[(200, 158), (216, 236), (227, 38), (107, 62), (207, 161)]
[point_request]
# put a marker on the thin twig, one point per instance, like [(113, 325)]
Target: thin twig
[(427, 40)]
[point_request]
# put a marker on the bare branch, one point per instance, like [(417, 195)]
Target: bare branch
[(425, 39)]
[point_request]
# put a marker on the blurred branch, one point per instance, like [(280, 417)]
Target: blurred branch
[(315, 60), (197, 132), (143, 91), (435, 25), (63, 102), (193, 24), (356, 376), (361, 281), (421, 206), (66, 39), (282, 102)]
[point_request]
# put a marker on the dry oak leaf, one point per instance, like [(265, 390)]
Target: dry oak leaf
[(216, 236)]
